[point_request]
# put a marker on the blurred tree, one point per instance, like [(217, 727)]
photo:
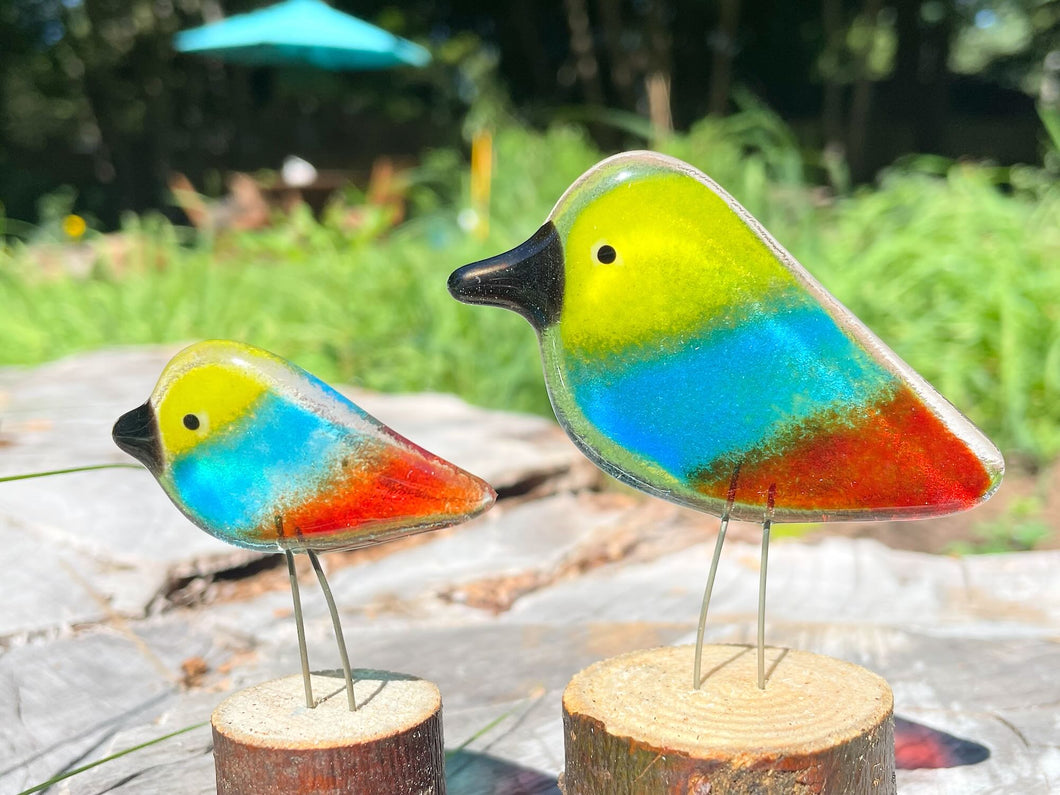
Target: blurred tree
[(925, 37), (91, 93), (723, 43)]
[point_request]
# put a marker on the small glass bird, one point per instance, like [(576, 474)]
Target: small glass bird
[(689, 355), (263, 455)]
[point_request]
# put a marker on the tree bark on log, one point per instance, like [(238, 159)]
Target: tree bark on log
[(267, 742), (634, 724)]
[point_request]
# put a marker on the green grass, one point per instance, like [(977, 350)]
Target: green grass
[(1022, 527), (960, 277), (963, 281), (45, 785)]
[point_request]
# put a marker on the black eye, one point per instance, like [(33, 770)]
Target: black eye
[(191, 422), (606, 254)]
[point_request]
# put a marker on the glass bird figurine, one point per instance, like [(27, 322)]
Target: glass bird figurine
[(263, 455), (689, 355)]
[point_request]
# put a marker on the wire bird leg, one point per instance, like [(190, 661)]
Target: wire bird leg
[(762, 588), (338, 628), (698, 666), (309, 702)]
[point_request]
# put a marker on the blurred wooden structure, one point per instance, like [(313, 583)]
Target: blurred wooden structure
[(250, 201), (243, 208)]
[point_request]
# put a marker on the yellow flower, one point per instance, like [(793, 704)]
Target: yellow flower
[(74, 226)]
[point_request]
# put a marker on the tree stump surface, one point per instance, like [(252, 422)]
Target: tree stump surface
[(267, 741), (634, 724)]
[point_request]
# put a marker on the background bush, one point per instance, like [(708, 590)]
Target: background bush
[(955, 266)]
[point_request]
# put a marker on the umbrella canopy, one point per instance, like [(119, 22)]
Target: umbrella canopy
[(302, 31)]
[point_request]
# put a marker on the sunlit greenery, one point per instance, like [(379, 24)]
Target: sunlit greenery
[(959, 275)]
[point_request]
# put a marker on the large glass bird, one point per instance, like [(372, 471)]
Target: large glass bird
[(689, 355), (263, 455)]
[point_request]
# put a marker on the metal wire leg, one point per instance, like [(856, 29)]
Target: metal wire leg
[(762, 590), (698, 667), (309, 702), (338, 628)]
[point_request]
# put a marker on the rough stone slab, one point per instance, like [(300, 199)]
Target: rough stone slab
[(511, 677), (119, 515), (970, 645), (120, 533), (74, 699), (1012, 767), (41, 592), (92, 543), (59, 708), (838, 581), (531, 539), (514, 675)]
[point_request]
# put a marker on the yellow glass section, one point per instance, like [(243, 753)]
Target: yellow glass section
[(668, 273), (214, 394)]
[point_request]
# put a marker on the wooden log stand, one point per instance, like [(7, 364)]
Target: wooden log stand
[(634, 724), (267, 742)]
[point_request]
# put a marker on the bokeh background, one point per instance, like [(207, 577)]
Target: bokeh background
[(905, 151)]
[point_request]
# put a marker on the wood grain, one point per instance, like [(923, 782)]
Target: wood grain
[(634, 724), (267, 742)]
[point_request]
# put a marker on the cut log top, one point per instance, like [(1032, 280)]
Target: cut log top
[(634, 723), (267, 742), (808, 700), (274, 713)]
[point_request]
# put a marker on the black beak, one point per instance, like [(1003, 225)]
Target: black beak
[(136, 432), (528, 279)]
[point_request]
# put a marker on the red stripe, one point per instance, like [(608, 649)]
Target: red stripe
[(396, 488), (898, 459)]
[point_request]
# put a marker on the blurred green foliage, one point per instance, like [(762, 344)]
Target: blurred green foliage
[(1022, 527), (955, 265)]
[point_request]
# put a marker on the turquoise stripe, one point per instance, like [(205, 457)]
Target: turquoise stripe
[(727, 391), (279, 453)]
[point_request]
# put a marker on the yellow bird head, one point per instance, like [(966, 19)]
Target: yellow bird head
[(640, 250), (202, 391)]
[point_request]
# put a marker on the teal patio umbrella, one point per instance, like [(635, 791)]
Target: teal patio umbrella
[(302, 31)]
